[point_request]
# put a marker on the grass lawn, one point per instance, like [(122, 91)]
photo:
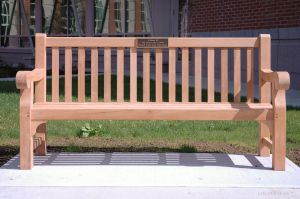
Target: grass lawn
[(185, 136)]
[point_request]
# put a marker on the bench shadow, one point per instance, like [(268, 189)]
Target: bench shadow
[(145, 158)]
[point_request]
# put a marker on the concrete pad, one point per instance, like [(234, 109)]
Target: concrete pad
[(149, 175)]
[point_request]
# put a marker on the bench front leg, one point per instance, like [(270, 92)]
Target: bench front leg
[(280, 83), (279, 135), (26, 141), (24, 82)]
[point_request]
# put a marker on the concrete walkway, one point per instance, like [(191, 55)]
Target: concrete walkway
[(149, 175)]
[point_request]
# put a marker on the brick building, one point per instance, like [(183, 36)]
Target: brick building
[(244, 18), (20, 19)]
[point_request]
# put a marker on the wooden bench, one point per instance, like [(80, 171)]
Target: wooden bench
[(270, 111)]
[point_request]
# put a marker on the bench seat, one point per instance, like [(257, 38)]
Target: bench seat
[(152, 111)]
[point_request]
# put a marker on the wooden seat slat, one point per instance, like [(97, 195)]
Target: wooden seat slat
[(133, 75), (152, 111), (107, 74), (120, 74), (250, 75), (94, 74), (158, 74), (210, 75), (68, 74), (224, 75), (55, 74), (81, 74), (198, 74), (237, 75), (154, 104), (146, 75), (185, 75), (172, 74)]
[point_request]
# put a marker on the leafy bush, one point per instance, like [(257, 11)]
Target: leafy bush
[(87, 131)]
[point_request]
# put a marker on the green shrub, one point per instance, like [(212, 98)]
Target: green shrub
[(87, 131)]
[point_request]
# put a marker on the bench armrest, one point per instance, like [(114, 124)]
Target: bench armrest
[(25, 78), (280, 80)]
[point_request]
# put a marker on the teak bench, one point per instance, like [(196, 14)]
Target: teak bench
[(270, 111)]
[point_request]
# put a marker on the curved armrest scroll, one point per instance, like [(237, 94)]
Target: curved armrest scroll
[(25, 78), (281, 80)]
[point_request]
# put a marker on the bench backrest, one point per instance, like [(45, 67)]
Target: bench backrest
[(192, 50)]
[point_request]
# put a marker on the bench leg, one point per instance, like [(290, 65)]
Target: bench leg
[(41, 131), (26, 143), (279, 136), (265, 130), (279, 146)]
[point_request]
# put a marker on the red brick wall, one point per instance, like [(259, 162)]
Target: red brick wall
[(228, 15), (27, 5)]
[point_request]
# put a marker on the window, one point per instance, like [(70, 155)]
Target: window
[(124, 13), (14, 18), (4, 20), (100, 8), (67, 17), (145, 17), (118, 15), (130, 19)]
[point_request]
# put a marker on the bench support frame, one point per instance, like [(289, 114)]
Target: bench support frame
[(272, 124)]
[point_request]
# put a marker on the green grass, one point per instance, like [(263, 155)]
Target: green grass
[(181, 134)]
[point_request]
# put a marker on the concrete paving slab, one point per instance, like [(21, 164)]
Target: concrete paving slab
[(149, 175)]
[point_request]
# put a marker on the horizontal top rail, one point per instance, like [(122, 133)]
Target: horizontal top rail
[(90, 42), (218, 42), (152, 42)]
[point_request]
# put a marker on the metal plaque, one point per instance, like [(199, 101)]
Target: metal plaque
[(152, 43)]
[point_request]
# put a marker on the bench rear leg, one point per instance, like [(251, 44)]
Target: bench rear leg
[(41, 131), (265, 130)]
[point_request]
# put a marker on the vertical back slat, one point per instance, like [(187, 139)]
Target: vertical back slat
[(40, 62), (264, 63), (210, 75), (107, 74), (158, 75), (120, 74), (224, 75), (146, 75), (172, 74), (267, 129), (94, 74), (81, 74), (68, 74), (133, 75), (237, 75), (250, 75), (55, 74), (198, 72), (185, 74)]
